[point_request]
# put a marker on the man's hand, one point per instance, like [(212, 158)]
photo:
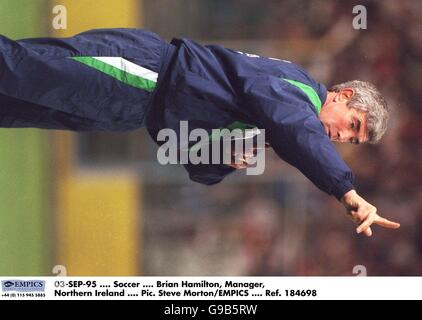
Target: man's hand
[(244, 160), (364, 214)]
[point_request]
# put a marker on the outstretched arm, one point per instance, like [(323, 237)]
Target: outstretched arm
[(364, 214), (298, 137)]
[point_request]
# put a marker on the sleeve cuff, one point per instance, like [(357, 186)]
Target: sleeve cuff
[(208, 174), (342, 188)]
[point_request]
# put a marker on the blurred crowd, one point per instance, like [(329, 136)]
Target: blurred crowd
[(252, 226)]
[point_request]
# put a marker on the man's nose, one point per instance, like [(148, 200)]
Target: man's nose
[(342, 136)]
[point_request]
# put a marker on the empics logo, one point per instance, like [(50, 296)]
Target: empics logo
[(7, 284), (23, 285)]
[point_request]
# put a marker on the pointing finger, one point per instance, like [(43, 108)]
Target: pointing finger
[(386, 223)]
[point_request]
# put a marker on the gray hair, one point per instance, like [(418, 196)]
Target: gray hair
[(368, 99)]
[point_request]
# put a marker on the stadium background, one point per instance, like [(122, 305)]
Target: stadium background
[(100, 204)]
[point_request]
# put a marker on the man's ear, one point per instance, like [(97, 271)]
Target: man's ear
[(346, 94)]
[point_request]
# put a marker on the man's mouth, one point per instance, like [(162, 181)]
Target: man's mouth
[(327, 130)]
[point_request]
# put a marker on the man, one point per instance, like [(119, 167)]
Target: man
[(123, 79)]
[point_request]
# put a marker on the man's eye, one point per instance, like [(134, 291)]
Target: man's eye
[(352, 125)]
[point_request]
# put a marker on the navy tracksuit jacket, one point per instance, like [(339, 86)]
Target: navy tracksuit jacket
[(123, 79)]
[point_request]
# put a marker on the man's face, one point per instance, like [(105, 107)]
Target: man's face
[(341, 123)]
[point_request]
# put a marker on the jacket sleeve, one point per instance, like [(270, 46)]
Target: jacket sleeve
[(298, 137), (208, 174)]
